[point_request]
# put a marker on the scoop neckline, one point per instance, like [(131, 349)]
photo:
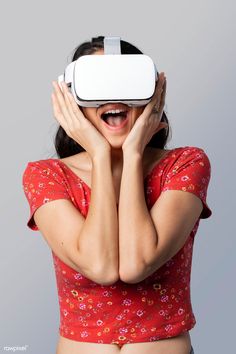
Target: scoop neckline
[(145, 178)]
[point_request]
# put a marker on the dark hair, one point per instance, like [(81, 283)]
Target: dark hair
[(66, 146)]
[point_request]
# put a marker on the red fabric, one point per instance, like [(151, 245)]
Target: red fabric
[(156, 308)]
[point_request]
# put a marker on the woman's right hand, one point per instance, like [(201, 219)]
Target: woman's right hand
[(75, 124)]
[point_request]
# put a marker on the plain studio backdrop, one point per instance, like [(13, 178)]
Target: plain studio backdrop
[(193, 42)]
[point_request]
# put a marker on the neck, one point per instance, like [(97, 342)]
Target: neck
[(117, 160)]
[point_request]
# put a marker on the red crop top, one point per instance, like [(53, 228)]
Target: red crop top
[(156, 308)]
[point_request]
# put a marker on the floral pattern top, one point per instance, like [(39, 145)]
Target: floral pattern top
[(156, 308)]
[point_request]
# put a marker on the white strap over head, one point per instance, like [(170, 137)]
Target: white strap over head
[(112, 45)]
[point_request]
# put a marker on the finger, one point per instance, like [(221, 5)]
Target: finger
[(152, 107), (155, 101), (160, 88), (75, 108), (162, 125), (58, 114), (160, 96), (61, 102), (68, 104), (159, 85), (162, 99), (56, 109)]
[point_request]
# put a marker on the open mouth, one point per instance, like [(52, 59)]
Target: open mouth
[(115, 118)]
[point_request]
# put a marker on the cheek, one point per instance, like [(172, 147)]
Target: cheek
[(141, 109), (137, 112), (85, 111), (88, 113)]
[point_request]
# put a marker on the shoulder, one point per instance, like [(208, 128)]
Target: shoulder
[(187, 153), (188, 160), (42, 163), (187, 150), (43, 168), (188, 163)]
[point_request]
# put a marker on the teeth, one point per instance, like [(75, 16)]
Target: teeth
[(113, 111)]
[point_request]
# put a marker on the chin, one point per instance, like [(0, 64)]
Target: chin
[(117, 142)]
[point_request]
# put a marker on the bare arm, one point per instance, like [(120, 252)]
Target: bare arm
[(149, 239), (88, 245), (98, 239), (137, 234)]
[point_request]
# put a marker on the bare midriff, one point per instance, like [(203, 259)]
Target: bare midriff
[(177, 345)]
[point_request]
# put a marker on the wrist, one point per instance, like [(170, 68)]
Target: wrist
[(130, 152), (100, 156)]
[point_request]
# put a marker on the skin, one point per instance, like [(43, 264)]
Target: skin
[(85, 126), (139, 130)]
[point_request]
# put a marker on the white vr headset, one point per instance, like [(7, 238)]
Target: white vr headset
[(113, 77)]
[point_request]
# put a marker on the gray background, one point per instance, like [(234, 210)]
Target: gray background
[(193, 43)]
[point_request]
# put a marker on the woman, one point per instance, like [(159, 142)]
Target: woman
[(121, 246)]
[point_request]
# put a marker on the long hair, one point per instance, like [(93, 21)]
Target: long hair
[(66, 146)]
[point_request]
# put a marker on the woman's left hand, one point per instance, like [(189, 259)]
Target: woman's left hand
[(148, 123)]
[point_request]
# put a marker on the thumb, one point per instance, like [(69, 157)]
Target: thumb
[(162, 125)]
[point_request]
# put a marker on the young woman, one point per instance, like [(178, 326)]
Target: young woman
[(122, 247)]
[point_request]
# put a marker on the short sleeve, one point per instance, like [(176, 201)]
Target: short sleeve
[(191, 172), (41, 185)]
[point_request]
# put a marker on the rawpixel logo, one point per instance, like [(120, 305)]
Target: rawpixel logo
[(17, 348)]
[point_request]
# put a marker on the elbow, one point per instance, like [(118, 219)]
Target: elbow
[(136, 274), (106, 281), (109, 280), (141, 272), (105, 277), (131, 276), (131, 279)]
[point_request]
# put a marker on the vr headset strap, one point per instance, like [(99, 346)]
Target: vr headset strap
[(112, 45)]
